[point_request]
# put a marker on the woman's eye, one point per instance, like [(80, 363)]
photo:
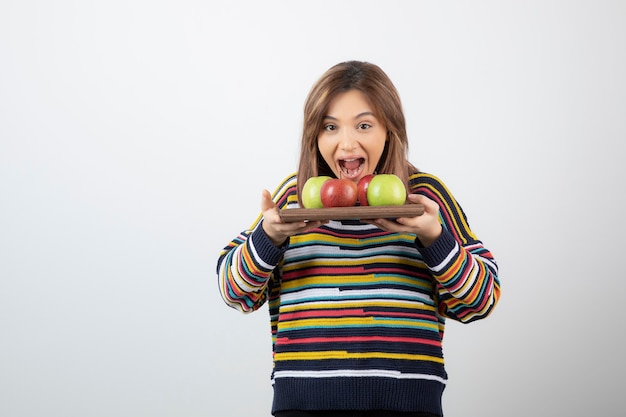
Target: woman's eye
[(364, 126), (330, 127)]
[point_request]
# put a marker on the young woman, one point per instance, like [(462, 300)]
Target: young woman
[(357, 309)]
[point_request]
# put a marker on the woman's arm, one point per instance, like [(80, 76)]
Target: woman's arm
[(244, 269), (246, 264), (468, 287)]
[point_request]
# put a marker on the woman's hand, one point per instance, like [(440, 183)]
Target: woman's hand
[(277, 230), (426, 227)]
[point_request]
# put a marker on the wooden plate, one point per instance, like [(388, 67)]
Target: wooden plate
[(350, 213)]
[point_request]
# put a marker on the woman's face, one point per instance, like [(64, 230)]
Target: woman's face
[(352, 139)]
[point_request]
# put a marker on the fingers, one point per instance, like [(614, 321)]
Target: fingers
[(429, 205), (266, 201), (276, 230)]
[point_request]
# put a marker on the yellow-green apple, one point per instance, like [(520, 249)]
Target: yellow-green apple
[(311, 196), (386, 190)]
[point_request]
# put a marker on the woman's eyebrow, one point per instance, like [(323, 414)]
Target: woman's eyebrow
[(358, 116), (365, 113)]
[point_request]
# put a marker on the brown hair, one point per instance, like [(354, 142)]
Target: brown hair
[(372, 81)]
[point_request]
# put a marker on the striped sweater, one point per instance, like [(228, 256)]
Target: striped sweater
[(357, 314)]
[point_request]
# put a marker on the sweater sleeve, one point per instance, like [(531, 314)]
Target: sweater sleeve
[(468, 287), (246, 265)]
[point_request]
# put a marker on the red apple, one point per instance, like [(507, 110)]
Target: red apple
[(338, 192), (361, 186)]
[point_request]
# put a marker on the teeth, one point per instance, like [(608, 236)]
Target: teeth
[(351, 172)]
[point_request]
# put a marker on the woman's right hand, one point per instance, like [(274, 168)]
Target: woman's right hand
[(277, 230)]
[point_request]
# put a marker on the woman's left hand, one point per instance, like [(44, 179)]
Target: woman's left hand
[(426, 227)]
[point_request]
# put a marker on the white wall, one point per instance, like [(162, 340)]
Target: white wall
[(136, 137)]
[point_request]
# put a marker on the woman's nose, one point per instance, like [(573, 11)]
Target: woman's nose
[(347, 141)]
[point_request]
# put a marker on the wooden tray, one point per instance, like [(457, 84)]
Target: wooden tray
[(350, 213)]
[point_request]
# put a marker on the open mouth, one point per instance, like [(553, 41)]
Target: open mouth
[(351, 168)]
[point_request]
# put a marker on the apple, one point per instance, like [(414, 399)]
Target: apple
[(386, 190), (338, 192), (311, 191), (362, 186)]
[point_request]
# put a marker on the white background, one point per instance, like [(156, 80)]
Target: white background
[(136, 137)]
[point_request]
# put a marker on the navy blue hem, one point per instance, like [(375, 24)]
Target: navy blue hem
[(358, 394)]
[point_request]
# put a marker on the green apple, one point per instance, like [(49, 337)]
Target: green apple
[(386, 190), (311, 197)]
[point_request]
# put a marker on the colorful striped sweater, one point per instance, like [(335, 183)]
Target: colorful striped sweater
[(357, 314)]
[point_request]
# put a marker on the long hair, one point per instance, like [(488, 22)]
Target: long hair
[(382, 95)]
